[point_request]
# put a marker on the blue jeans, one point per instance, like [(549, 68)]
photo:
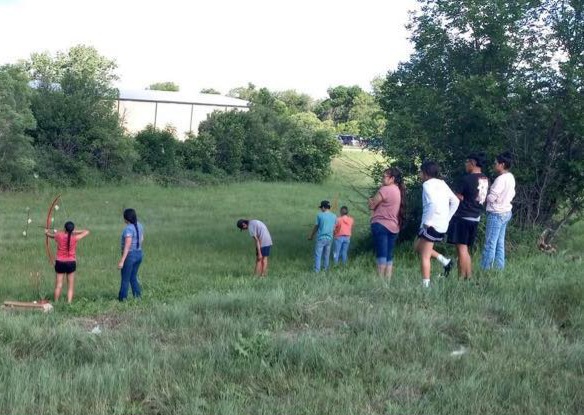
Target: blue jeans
[(494, 251), (384, 241), (322, 250), (341, 249), (130, 275)]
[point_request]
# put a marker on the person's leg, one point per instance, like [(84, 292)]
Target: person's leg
[(464, 261), (258, 266), (391, 239), (491, 237), (264, 266), (136, 291), (500, 245), (425, 249), (326, 252), (318, 250), (70, 286), (125, 279), (337, 243), (345, 249), (58, 286), (380, 241)]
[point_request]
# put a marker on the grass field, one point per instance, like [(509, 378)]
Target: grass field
[(208, 338)]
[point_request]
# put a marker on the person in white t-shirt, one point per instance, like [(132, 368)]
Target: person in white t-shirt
[(499, 208), (440, 204), (262, 241)]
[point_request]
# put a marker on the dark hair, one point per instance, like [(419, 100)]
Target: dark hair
[(399, 182), (345, 208), (130, 216), (430, 169), (69, 227), (242, 222), (506, 159), (479, 158)]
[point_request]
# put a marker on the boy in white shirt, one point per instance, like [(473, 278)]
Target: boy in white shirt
[(440, 204), (499, 207)]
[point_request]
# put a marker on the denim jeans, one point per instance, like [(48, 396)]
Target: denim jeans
[(322, 250), (494, 251), (341, 249), (384, 241), (130, 275)]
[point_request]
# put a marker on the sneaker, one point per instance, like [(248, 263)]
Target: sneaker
[(448, 268), (426, 283)]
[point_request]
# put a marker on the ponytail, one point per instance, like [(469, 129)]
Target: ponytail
[(69, 227), (131, 217)]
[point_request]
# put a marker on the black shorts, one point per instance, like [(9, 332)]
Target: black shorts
[(65, 267), (462, 231), (431, 234)]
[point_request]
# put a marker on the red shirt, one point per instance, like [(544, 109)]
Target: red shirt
[(64, 254)]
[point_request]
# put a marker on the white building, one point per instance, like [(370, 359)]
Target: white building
[(183, 111)]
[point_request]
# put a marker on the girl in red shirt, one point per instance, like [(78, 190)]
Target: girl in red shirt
[(65, 259)]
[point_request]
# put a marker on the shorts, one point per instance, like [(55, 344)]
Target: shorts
[(430, 234), (384, 241), (265, 250), (65, 267), (462, 231)]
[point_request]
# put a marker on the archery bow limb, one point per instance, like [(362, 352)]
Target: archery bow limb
[(50, 255)]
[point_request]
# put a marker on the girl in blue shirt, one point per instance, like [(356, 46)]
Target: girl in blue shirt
[(131, 243)]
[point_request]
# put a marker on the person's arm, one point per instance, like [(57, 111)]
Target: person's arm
[(495, 191), (127, 245), (81, 234), (428, 207), (314, 229), (49, 234), (453, 202), (375, 201), (258, 247)]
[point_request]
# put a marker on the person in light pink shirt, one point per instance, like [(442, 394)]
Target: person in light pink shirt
[(66, 258), (499, 208), (387, 215)]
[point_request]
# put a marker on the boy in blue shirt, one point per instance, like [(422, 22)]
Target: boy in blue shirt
[(325, 226)]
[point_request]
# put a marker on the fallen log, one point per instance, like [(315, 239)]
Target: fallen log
[(21, 305)]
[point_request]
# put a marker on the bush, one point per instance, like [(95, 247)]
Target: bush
[(157, 151)]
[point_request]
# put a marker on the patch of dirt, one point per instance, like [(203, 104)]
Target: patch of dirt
[(104, 321)]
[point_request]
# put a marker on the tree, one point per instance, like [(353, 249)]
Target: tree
[(339, 103), (16, 152), (164, 86), (484, 75), (210, 91), (78, 129)]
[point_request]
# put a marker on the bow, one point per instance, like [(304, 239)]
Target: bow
[(48, 223)]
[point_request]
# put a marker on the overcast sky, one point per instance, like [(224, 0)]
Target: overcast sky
[(307, 45)]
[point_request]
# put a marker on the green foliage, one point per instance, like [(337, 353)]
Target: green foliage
[(339, 103), (266, 143), (210, 91), (483, 77), (164, 86), (76, 120), (17, 158), (157, 151), (198, 153)]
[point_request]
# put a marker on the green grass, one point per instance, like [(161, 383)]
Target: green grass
[(208, 338)]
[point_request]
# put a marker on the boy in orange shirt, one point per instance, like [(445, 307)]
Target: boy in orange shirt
[(343, 229)]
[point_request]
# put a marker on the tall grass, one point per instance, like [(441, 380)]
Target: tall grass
[(209, 338)]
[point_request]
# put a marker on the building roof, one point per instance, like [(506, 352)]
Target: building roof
[(171, 97)]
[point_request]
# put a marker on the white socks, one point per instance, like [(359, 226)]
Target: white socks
[(425, 283), (443, 260)]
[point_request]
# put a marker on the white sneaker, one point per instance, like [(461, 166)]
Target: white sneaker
[(426, 283)]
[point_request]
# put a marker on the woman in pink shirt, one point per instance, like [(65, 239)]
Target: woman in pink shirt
[(388, 209), (66, 257)]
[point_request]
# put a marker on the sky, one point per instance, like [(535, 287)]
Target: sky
[(306, 45)]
